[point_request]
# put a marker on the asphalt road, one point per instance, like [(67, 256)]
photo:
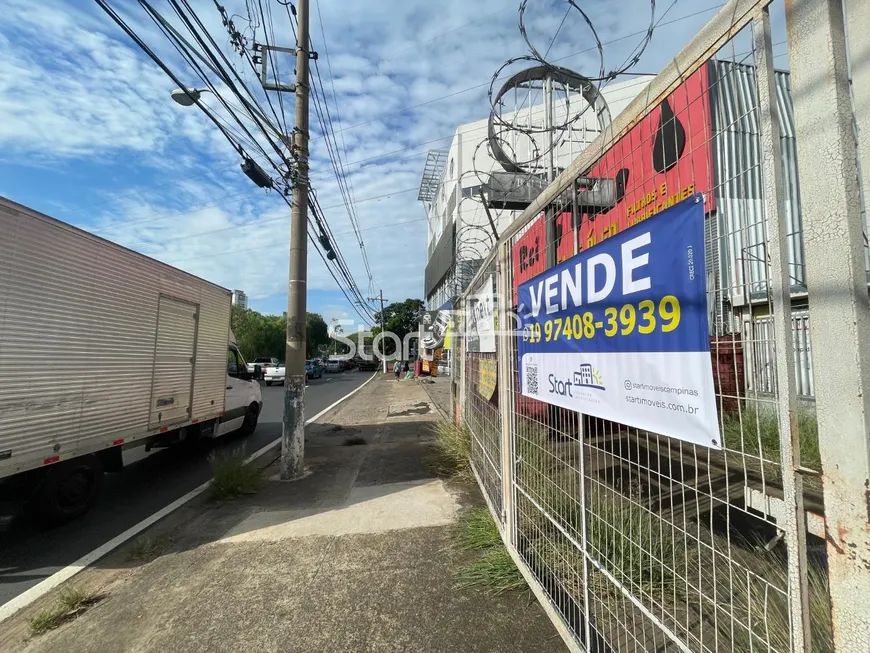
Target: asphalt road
[(148, 483)]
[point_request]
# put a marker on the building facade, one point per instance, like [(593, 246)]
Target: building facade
[(240, 299), (460, 233)]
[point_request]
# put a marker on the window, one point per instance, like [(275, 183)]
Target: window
[(232, 363)]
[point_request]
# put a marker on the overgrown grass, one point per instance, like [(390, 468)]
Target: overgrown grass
[(453, 449), (71, 602), (478, 530), (232, 477), (145, 548), (633, 543), (766, 613), (652, 558), (493, 568), (755, 430)]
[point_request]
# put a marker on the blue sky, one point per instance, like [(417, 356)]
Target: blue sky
[(90, 136)]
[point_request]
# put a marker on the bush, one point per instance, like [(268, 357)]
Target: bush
[(232, 477)]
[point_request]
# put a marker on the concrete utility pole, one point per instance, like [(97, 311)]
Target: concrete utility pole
[(293, 432), (381, 299)]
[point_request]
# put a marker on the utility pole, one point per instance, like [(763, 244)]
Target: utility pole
[(293, 431), (381, 299)]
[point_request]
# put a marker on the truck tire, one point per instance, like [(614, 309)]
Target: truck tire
[(67, 491), (250, 423), (268, 383)]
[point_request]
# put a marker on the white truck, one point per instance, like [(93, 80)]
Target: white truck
[(274, 374), (101, 349), (264, 363)]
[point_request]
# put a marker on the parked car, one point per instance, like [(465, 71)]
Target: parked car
[(332, 367), (263, 363), (313, 369), (274, 373)]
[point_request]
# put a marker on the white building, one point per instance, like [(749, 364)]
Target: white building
[(459, 234), (240, 299)]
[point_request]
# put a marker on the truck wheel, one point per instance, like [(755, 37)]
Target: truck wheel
[(268, 383), (67, 491), (250, 423)]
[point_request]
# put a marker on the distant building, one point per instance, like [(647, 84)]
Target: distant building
[(460, 235), (240, 299)]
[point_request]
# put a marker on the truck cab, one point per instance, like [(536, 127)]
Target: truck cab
[(244, 399)]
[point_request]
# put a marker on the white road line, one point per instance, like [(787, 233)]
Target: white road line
[(40, 589)]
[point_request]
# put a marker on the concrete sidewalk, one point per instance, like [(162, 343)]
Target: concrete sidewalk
[(354, 557)]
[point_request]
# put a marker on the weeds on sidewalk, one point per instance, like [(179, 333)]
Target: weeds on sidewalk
[(493, 568), (477, 531), (71, 602), (146, 549), (453, 448), (232, 477)]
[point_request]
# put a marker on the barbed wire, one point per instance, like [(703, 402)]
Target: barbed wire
[(507, 133)]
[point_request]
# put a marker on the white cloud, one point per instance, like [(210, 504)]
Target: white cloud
[(74, 88)]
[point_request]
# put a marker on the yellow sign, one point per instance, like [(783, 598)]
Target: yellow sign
[(487, 378), (575, 327)]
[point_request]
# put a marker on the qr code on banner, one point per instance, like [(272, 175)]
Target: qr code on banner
[(531, 376)]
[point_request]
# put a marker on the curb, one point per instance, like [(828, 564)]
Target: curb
[(41, 589)]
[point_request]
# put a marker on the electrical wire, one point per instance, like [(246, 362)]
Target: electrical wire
[(272, 246), (348, 178), (211, 55)]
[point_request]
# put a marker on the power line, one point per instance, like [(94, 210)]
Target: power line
[(443, 97), (216, 61), (270, 220), (348, 179), (272, 246)]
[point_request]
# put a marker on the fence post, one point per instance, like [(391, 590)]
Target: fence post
[(779, 287), (460, 326), (838, 305), (505, 385), (858, 18)]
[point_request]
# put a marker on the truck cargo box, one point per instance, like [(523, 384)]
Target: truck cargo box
[(99, 345)]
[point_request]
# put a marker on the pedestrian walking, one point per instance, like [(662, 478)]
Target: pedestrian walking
[(397, 369), (406, 367)]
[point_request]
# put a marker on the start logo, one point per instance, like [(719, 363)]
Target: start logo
[(588, 377)]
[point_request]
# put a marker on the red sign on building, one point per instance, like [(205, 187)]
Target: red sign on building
[(664, 158)]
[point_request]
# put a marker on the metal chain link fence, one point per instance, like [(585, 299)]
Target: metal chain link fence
[(637, 541)]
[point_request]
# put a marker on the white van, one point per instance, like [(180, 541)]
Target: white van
[(104, 349)]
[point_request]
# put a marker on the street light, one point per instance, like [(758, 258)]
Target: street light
[(190, 97), (187, 98)]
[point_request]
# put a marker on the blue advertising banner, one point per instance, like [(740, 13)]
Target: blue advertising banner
[(620, 331)]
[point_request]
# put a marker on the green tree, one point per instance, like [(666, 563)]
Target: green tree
[(317, 333), (247, 326), (400, 318), (259, 335)]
